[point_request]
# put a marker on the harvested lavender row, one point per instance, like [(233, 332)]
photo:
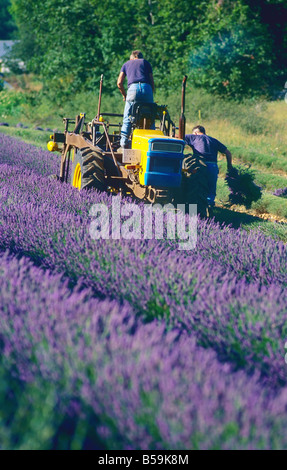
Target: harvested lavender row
[(244, 322), (148, 388)]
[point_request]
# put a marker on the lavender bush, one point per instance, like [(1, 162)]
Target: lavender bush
[(281, 192), (27, 156), (147, 387), (142, 386), (242, 188), (218, 290), (252, 255)]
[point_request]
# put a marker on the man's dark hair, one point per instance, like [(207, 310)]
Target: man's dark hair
[(199, 128), (137, 54)]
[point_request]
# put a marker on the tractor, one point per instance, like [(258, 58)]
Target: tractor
[(154, 169)]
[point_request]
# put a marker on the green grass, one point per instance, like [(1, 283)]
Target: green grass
[(31, 136), (268, 204), (273, 159), (271, 205), (275, 230), (246, 221), (270, 181)]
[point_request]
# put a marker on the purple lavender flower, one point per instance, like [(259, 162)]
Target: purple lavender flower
[(215, 290), (282, 192), (153, 385), (144, 387)]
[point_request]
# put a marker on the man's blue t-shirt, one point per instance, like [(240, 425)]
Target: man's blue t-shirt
[(205, 145), (137, 70)]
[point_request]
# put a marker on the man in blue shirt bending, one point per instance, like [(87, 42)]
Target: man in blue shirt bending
[(140, 88), (207, 147)]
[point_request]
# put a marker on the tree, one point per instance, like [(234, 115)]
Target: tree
[(221, 44), (165, 31), (273, 14), (7, 24), (233, 54)]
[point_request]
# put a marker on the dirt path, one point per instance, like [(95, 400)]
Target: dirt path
[(253, 213)]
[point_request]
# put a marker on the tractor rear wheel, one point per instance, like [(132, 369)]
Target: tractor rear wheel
[(195, 185), (88, 169)]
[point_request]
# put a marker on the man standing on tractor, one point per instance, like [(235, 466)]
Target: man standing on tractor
[(207, 148), (140, 88)]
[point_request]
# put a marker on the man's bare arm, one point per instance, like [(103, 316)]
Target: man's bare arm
[(120, 84), (229, 159)]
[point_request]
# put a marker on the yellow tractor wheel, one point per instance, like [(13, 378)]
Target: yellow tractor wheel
[(88, 170), (77, 177)]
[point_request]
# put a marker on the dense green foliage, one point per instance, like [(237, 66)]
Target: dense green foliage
[(7, 24), (233, 55), (228, 47), (273, 13)]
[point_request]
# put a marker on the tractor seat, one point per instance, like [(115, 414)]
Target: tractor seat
[(143, 115)]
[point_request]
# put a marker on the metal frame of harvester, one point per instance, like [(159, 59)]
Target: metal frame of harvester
[(151, 170)]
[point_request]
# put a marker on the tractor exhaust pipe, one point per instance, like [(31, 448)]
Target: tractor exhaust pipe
[(182, 116)]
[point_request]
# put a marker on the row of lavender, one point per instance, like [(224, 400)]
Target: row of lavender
[(253, 256), (230, 291), (140, 386), (27, 156), (228, 294)]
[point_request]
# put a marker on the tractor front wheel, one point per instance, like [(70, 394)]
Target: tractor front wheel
[(194, 188), (88, 170)]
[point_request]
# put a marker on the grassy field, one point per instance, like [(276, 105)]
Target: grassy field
[(254, 131)]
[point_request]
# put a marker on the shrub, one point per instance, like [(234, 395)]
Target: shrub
[(243, 190)]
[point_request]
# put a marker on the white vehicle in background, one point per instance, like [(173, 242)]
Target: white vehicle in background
[(6, 47)]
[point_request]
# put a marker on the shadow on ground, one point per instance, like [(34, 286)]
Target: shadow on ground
[(236, 219)]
